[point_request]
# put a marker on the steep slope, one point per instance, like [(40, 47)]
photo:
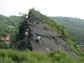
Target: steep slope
[(49, 32), (74, 26)]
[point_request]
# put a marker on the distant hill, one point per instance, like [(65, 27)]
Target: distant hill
[(74, 26)]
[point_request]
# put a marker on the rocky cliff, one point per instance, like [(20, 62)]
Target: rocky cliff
[(50, 39)]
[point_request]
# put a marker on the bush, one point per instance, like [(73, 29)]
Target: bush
[(60, 57), (3, 45), (11, 56)]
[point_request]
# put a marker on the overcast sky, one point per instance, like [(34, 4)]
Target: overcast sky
[(68, 8)]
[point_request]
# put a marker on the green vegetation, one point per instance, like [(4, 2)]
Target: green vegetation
[(3, 45), (9, 25), (11, 56), (74, 26)]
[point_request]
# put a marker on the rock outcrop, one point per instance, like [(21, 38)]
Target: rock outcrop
[(50, 40)]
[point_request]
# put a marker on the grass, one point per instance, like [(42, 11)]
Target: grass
[(12, 56)]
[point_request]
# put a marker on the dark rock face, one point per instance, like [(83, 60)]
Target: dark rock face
[(50, 40), (23, 44), (23, 41)]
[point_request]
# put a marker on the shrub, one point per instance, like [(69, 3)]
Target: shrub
[(27, 56), (12, 56)]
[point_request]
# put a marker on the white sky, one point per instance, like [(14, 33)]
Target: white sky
[(68, 8)]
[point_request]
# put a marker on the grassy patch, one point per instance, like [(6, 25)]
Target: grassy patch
[(11, 56)]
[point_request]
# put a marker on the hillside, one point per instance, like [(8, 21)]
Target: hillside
[(9, 27), (74, 26), (53, 36), (55, 45)]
